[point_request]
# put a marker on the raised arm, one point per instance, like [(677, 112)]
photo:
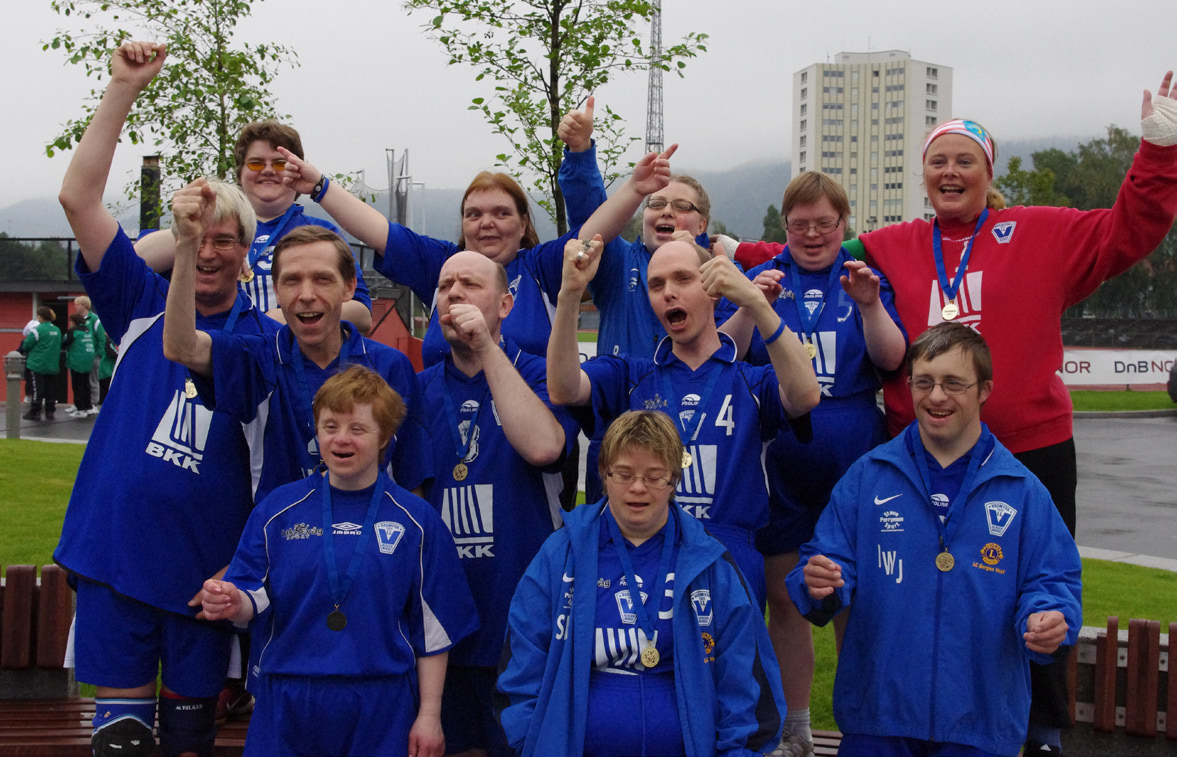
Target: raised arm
[(192, 212), (529, 425), (740, 326), (157, 250), (133, 66), (651, 174), (567, 383), (884, 341), (796, 381), (351, 213)]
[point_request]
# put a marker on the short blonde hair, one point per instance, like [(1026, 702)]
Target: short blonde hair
[(647, 430)]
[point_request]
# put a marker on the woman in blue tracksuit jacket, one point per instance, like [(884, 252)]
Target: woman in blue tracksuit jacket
[(939, 655), (726, 681)]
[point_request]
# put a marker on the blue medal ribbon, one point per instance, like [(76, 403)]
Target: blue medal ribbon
[(339, 589), (257, 248), (938, 252), (461, 448), (916, 445), (658, 585), (697, 417), (808, 321), (304, 410)]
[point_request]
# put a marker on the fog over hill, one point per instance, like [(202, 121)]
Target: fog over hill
[(739, 198)]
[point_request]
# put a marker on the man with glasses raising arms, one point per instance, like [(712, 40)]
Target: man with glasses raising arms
[(163, 490), (959, 567)]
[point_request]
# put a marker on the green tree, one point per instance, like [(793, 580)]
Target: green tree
[(1033, 187), (208, 90), (30, 261), (543, 58), (774, 230), (1087, 178)]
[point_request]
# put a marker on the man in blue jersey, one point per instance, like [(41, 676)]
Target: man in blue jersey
[(726, 410), (498, 447), (959, 569), (259, 174), (268, 384), (163, 490)]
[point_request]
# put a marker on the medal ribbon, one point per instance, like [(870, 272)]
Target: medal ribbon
[(658, 586), (339, 589), (304, 410), (256, 248), (697, 418), (809, 322), (230, 324), (921, 463), (461, 448), (234, 314), (938, 253)]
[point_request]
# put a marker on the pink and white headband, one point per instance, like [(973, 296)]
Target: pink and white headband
[(970, 129)]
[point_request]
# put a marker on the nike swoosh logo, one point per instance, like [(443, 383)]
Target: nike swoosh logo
[(567, 578), (888, 499)]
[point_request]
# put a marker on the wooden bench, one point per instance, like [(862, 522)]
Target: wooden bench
[(41, 714), (1123, 687)]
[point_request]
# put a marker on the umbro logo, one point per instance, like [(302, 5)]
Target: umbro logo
[(885, 500), (346, 528)]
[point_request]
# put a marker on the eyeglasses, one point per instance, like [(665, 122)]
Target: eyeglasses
[(680, 206), (824, 226), (951, 386), (625, 479), (257, 164), (221, 244)]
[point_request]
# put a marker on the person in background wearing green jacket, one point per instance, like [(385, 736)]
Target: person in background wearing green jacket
[(79, 358), (43, 347)]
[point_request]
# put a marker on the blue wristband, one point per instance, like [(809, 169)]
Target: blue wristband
[(320, 188), (780, 329)]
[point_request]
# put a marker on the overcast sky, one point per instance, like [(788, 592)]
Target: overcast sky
[(370, 79)]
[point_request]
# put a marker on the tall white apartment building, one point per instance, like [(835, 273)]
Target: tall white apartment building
[(862, 119)]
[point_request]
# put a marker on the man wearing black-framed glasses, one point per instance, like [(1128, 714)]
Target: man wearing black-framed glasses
[(959, 568)]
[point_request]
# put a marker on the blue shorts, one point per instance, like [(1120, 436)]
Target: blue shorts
[(635, 714), (467, 714), (741, 543), (856, 745), (338, 715), (121, 643), (801, 476)]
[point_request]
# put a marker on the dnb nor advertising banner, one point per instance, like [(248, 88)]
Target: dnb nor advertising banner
[(1094, 367)]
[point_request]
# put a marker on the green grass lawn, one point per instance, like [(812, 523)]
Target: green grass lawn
[(1111, 401), (1109, 588)]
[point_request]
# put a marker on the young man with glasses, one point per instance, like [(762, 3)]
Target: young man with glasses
[(726, 409), (959, 569), (260, 168), (163, 490)]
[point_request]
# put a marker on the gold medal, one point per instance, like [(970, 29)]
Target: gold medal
[(650, 657), (189, 389), (945, 561), (811, 349), (950, 310), (686, 459), (246, 276), (461, 471)]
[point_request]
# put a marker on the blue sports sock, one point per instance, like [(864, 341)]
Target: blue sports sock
[(109, 711)]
